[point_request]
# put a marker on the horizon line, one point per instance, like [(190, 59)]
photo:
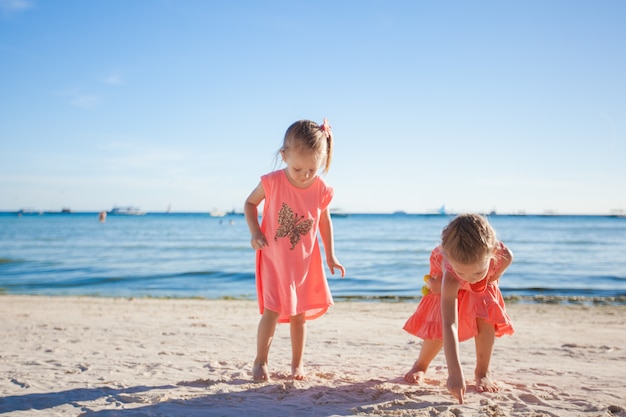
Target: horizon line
[(398, 213)]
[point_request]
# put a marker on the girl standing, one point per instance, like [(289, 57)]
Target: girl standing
[(462, 301), (290, 278)]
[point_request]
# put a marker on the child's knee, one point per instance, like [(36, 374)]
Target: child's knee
[(298, 320)]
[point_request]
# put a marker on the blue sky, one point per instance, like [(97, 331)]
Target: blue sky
[(513, 106)]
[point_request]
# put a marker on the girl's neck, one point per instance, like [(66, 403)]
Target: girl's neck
[(299, 184)]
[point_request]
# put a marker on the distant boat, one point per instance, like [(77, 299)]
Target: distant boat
[(337, 212), (24, 211), (126, 211), (217, 213)]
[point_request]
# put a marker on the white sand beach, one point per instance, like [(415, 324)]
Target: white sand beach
[(83, 356)]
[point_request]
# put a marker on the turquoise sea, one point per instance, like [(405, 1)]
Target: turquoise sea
[(385, 255)]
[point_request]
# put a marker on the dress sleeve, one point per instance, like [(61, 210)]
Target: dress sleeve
[(268, 181), (327, 196), (436, 263)]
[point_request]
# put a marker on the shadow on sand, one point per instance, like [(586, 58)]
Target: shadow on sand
[(42, 401), (278, 398)]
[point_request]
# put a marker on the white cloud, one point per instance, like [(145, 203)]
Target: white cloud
[(81, 100), (113, 79), (85, 101), (14, 6)]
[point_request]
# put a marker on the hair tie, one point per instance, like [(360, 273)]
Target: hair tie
[(325, 127)]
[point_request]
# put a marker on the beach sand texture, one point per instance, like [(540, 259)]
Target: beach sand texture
[(83, 356)]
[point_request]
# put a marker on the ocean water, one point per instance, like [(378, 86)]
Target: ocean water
[(385, 255)]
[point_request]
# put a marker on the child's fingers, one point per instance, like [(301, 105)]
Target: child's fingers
[(456, 393), (339, 267), (259, 243), (343, 271)]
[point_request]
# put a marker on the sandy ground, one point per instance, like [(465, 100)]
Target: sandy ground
[(82, 356)]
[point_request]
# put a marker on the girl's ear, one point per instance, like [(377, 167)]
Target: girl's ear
[(282, 154)]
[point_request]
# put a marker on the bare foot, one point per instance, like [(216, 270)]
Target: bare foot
[(415, 375), (260, 373), (297, 372), (486, 384)]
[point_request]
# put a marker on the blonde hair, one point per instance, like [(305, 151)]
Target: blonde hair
[(468, 239), (305, 135)]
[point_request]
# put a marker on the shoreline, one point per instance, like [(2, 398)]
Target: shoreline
[(508, 299), (103, 357)]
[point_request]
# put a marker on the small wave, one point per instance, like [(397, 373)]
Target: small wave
[(561, 292), (174, 281), (532, 299), (235, 276)]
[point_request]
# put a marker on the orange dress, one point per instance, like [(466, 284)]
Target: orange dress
[(479, 300), (290, 276)]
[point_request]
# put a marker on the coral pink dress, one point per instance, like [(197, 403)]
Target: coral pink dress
[(290, 275), (479, 300)]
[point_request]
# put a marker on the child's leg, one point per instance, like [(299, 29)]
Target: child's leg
[(298, 338), (430, 348), (484, 348), (265, 334)]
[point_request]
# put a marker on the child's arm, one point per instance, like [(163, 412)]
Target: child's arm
[(251, 212), (505, 258), (449, 314), (326, 231)]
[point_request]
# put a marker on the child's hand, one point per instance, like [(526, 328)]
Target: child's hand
[(503, 263), (456, 386), (258, 241), (434, 283), (333, 263)]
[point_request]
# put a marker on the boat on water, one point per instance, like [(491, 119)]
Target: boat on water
[(28, 211), (126, 211), (337, 212), (217, 213)]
